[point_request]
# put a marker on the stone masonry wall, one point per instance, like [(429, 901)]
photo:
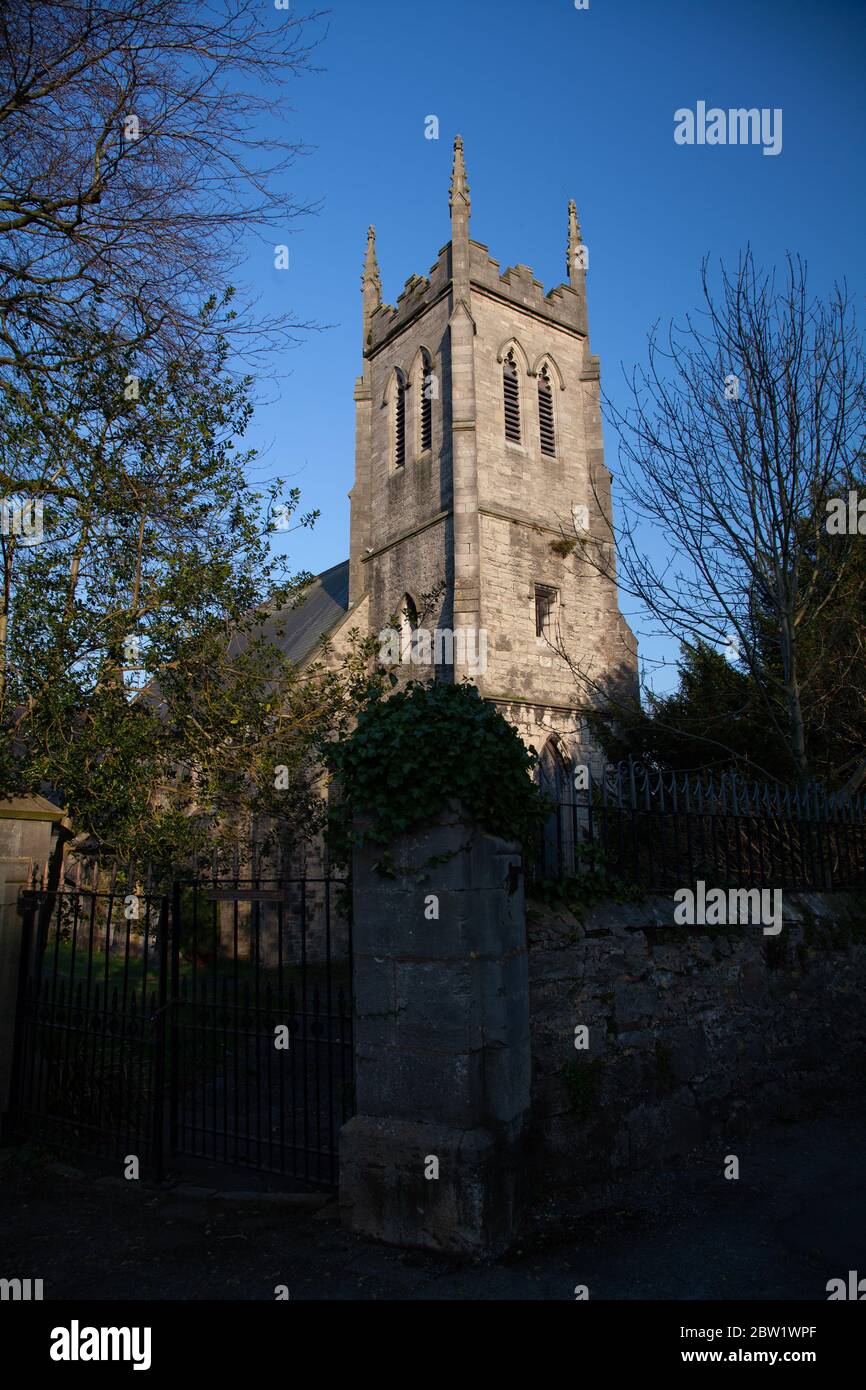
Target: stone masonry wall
[(442, 1052), (693, 1031), (409, 537), (526, 501)]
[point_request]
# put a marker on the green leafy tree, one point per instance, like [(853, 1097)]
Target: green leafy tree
[(713, 720), (136, 677)]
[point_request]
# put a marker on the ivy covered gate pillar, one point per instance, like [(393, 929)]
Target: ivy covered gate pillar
[(433, 1156)]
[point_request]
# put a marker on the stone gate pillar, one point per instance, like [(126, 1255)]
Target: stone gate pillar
[(442, 1054), (26, 824)]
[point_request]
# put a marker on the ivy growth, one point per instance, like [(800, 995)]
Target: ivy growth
[(594, 882), (424, 747)]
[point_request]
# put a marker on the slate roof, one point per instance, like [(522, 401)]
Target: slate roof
[(297, 631)]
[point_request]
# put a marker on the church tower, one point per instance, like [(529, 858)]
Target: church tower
[(478, 453)]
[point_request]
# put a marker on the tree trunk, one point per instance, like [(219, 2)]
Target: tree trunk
[(792, 696)]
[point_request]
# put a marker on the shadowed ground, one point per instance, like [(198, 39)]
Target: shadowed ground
[(795, 1218)]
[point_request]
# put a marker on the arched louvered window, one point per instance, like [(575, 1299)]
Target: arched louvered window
[(511, 396), (546, 425), (428, 386), (400, 423)]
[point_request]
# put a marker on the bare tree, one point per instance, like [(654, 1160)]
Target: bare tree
[(741, 427), (138, 138)]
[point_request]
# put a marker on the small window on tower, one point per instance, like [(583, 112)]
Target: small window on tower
[(511, 395), (545, 414), (545, 603)]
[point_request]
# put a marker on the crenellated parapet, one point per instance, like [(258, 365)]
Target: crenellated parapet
[(564, 305), (416, 297)]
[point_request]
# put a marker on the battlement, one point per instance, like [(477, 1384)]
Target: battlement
[(418, 293), (470, 263), (517, 285)]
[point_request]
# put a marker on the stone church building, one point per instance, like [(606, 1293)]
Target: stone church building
[(478, 454)]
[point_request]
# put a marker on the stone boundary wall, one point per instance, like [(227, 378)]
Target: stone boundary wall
[(692, 1031)]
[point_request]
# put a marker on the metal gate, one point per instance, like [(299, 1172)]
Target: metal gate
[(214, 1021)]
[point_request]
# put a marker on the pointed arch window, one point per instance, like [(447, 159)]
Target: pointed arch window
[(553, 773), (546, 423), (556, 782), (511, 399), (400, 422), (408, 627), (428, 387)]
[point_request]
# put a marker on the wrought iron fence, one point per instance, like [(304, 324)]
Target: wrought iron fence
[(90, 1020), (213, 1020), (261, 1029), (664, 830)]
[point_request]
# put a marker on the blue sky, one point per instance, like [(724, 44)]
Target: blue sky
[(552, 102)]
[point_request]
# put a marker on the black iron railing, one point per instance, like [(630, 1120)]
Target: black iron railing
[(90, 1020), (261, 1028), (666, 830), (213, 1020)]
